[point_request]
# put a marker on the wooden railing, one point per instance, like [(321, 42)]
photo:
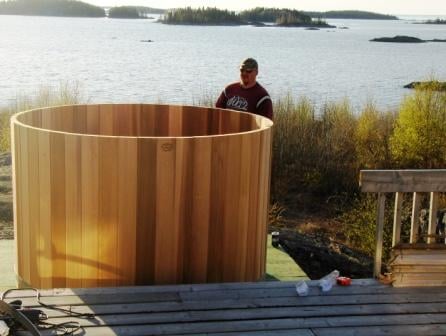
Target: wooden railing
[(416, 182)]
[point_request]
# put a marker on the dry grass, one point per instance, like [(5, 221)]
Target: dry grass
[(65, 94)]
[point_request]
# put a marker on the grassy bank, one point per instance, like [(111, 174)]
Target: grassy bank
[(318, 153), (317, 156)]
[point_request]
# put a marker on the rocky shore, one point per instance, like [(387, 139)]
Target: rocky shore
[(318, 254)]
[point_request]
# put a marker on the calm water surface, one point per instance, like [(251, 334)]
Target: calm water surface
[(185, 64)]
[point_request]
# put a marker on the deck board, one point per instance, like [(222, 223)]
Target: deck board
[(294, 302), (263, 308)]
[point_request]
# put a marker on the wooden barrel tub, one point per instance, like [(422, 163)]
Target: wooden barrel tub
[(111, 195)]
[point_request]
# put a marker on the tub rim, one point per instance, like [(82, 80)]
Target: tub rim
[(265, 122)]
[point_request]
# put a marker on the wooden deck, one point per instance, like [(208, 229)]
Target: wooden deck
[(264, 308)]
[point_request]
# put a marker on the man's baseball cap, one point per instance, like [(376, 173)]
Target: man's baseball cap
[(249, 64)]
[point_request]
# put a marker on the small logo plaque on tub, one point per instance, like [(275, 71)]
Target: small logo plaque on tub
[(167, 147)]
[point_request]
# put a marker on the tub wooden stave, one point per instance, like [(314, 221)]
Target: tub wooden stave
[(111, 203)]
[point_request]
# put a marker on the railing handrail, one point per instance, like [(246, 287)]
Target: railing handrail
[(403, 180), (413, 181)]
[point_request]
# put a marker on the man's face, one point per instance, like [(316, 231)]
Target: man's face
[(248, 76)]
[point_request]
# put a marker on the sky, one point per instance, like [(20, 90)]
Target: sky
[(396, 7)]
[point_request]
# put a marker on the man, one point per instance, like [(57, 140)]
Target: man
[(247, 95)]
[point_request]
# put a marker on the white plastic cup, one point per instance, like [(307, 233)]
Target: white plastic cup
[(302, 288)]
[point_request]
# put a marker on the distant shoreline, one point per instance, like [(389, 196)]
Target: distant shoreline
[(66, 8), (75, 9)]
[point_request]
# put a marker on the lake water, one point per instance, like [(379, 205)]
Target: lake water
[(185, 64)]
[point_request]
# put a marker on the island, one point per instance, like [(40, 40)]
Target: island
[(398, 39), (133, 12), (149, 10), (201, 16), (256, 17), (351, 14), (290, 21), (282, 18), (125, 12), (404, 39), (436, 21), (50, 8)]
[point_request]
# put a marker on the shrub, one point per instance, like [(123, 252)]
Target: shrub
[(372, 137), (337, 162), (295, 133), (419, 138), (359, 225)]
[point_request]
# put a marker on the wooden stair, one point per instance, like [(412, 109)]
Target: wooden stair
[(419, 266)]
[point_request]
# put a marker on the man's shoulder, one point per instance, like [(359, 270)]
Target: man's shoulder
[(261, 89), (233, 86)]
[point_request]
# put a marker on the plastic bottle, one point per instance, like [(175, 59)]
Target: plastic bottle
[(327, 282), (302, 288)]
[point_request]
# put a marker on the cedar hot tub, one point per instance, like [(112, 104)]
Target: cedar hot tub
[(112, 195)]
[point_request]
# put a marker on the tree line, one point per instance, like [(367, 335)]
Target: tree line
[(133, 12), (126, 12), (436, 21), (201, 16), (71, 8), (214, 16), (352, 14), (50, 8)]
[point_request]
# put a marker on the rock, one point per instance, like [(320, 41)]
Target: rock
[(312, 28), (317, 255), (399, 39), (146, 40)]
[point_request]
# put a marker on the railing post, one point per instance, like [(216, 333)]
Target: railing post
[(397, 219), (379, 234), (415, 222), (432, 217)]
